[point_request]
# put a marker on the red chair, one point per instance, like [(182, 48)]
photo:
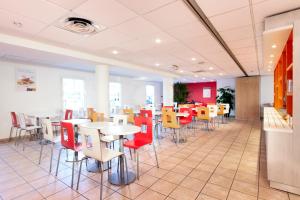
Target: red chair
[(68, 115), (142, 138), (14, 124), (186, 120), (67, 137), (146, 113)]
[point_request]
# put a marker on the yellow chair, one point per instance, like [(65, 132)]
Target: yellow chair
[(203, 115), (129, 112), (221, 111), (97, 117), (169, 121), (90, 112)]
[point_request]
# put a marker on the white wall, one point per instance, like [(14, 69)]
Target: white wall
[(226, 82), (48, 97), (266, 91)]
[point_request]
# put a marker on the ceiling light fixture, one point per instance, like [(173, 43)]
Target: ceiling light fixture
[(181, 71), (196, 76), (210, 68), (221, 74), (157, 41), (274, 46), (203, 78), (270, 61), (269, 70), (115, 52), (193, 59), (157, 64), (17, 24), (272, 56)]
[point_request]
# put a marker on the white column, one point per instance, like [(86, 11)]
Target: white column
[(168, 91), (102, 89)]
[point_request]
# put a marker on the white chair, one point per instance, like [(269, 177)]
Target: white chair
[(25, 128), (92, 148), (213, 113), (110, 139), (227, 106), (48, 136)]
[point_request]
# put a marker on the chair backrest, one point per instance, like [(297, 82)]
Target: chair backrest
[(188, 110), (166, 108), (169, 119), (68, 114), (145, 136), (97, 117), (14, 120), (221, 109), (203, 113), (213, 110), (90, 112), (227, 106), (91, 145), (130, 114), (146, 113), (67, 135), (120, 118), (47, 130), (22, 120)]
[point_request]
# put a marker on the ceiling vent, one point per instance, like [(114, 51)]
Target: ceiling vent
[(199, 71), (80, 26), (174, 68)]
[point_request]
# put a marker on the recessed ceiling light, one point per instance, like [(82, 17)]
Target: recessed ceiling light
[(221, 74), (270, 61), (271, 56), (269, 70), (269, 66), (157, 64), (212, 80), (115, 52), (17, 24), (203, 78), (274, 46), (196, 76), (181, 71), (193, 59), (157, 40), (210, 68)]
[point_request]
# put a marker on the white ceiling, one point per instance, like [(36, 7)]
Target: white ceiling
[(133, 25)]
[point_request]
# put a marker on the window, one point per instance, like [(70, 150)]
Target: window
[(73, 94), (114, 96), (150, 94)]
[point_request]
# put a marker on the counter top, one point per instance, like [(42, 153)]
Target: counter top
[(273, 121)]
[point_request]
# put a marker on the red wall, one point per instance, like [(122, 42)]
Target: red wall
[(196, 90)]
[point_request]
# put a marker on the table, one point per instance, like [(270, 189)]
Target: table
[(109, 128)]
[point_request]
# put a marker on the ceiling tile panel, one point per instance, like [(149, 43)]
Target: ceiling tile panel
[(237, 33), (106, 12), (43, 11), (68, 4), (216, 7)]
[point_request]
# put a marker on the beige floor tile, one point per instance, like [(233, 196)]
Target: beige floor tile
[(182, 193), (221, 181), (157, 172), (52, 188), (248, 178), (163, 187), (173, 177), (215, 191), (46, 180), (132, 191), (225, 172), (205, 197), (146, 180), (16, 191), (12, 183), (235, 195), (151, 195), (245, 188), (33, 195), (193, 184), (116, 196), (66, 194), (200, 174), (266, 193), (94, 194), (206, 167), (180, 169), (294, 197)]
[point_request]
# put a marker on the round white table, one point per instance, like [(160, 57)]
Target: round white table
[(108, 128)]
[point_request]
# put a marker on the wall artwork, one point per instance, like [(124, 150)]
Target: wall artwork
[(25, 80), (206, 92)]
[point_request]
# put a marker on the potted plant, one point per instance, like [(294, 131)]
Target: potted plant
[(226, 95), (181, 93)]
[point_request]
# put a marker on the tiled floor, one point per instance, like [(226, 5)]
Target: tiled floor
[(223, 164)]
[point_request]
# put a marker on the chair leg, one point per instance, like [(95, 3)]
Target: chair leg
[(51, 158), (126, 166), (23, 142), (79, 173), (41, 151), (137, 165), (10, 133), (58, 160), (130, 154), (73, 166), (155, 155), (101, 181)]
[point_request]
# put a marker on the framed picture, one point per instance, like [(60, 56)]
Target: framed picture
[(25, 80), (207, 92)]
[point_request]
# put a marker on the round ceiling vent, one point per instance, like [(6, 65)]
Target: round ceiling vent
[(80, 25)]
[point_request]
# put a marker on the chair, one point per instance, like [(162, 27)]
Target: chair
[(146, 113), (90, 112), (14, 125), (166, 108), (97, 117), (203, 115), (169, 121), (24, 127), (48, 136), (68, 114), (67, 138), (221, 111), (130, 114), (92, 148), (213, 112), (141, 139)]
